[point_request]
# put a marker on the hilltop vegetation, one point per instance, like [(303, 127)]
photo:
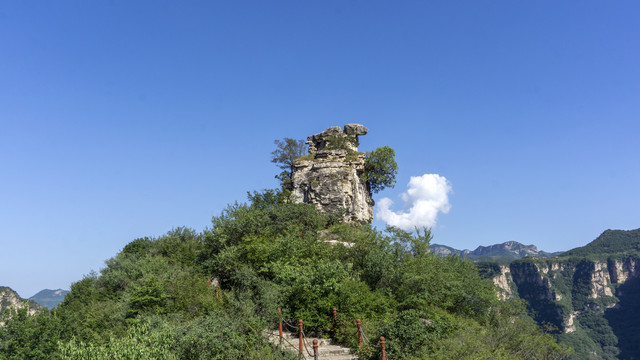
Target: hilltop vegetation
[(153, 300), (610, 242)]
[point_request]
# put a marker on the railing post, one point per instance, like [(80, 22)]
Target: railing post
[(315, 349), (280, 324), (359, 325), (335, 321), (384, 354), (300, 335)]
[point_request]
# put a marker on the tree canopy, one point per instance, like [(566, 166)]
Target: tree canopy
[(380, 169), (153, 297), (285, 154)]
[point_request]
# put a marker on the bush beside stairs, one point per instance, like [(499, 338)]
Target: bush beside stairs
[(326, 350)]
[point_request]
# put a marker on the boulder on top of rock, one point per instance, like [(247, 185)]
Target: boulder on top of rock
[(355, 129), (335, 138)]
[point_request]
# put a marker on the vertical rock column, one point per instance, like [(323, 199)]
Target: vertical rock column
[(329, 177)]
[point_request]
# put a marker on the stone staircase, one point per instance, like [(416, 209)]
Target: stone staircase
[(326, 350)]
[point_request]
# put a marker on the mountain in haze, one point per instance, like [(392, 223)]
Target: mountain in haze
[(505, 252), (49, 298)]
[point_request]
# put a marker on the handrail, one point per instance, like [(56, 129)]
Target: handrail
[(304, 341), (315, 349), (366, 339)]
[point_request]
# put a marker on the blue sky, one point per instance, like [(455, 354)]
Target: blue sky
[(123, 119)]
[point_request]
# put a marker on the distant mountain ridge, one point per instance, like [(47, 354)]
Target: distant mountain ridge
[(505, 252), (49, 298)]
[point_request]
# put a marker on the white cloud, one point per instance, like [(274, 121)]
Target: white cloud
[(427, 196)]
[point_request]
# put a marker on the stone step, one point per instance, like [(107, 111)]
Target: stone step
[(326, 350), (293, 338)]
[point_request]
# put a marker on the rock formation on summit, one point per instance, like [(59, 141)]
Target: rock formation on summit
[(330, 176)]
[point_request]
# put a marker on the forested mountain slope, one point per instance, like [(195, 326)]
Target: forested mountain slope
[(154, 298), (610, 242), (589, 295)]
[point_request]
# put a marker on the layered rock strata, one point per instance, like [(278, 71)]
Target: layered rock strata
[(534, 282), (9, 299), (330, 176)]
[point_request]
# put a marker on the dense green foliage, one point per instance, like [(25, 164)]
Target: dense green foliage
[(153, 299), (610, 242), (341, 142), (380, 169), (624, 319), (488, 269), (29, 337)]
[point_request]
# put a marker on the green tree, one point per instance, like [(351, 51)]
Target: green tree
[(140, 342), (286, 152), (380, 169), (26, 336), (149, 296), (152, 300), (507, 334)]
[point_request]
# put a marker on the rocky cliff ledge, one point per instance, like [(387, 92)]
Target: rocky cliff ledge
[(10, 299), (329, 177), (560, 289)]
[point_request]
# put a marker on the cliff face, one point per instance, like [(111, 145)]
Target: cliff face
[(329, 177), (504, 282), (576, 281), (10, 299), (529, 277), (621, 270), (592, 301)]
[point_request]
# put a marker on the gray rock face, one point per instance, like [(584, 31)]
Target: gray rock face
[(329, 177), (355, 129), (10, 299), (334, 137)]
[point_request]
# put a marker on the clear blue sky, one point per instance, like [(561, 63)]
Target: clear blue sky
[(123, 119)]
